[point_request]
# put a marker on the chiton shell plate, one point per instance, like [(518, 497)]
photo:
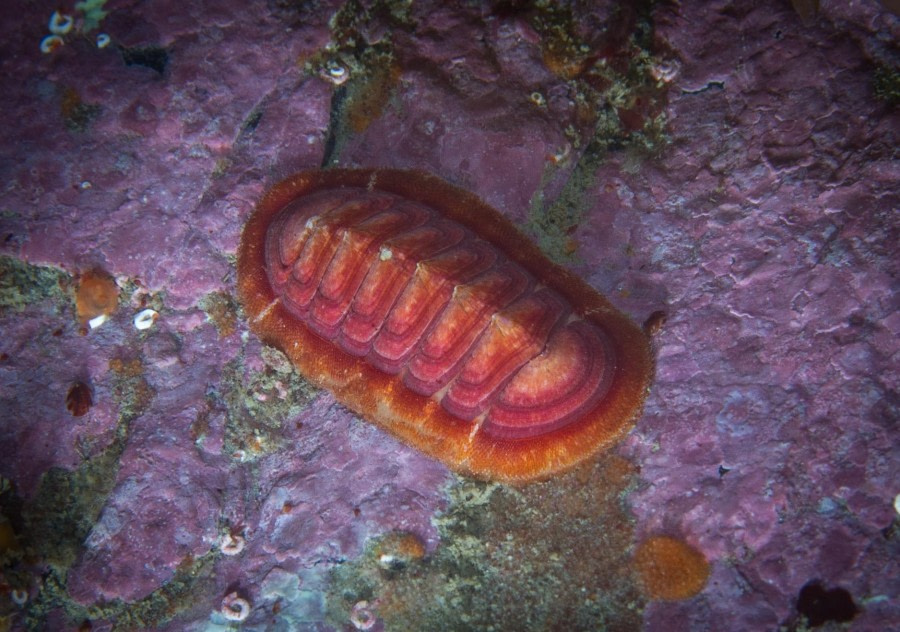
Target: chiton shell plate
[(428, 313)]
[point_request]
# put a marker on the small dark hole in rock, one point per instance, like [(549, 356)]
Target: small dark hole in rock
[(820, 606)]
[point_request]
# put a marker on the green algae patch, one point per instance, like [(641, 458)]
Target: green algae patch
[(511, 559), (23, 284), (620, 91), (53, 526), (256, 404), (222, 311)]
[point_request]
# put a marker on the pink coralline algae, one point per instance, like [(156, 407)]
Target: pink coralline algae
[(728, 166)]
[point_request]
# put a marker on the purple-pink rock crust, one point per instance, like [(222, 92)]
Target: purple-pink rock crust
[(766, 228)]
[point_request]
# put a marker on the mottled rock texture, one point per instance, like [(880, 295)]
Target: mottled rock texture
[(730, 163)]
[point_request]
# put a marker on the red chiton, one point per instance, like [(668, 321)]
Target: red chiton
[(428, 313)]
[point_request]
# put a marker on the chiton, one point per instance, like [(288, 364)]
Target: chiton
[(428, 313)]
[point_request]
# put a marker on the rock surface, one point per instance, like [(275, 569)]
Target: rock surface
[(732, 164)]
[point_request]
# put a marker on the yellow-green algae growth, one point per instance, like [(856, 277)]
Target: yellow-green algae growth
[(620, 101), (512, 559)]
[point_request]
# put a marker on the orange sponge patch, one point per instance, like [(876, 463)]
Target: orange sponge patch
[(96, 295), (670, 569)]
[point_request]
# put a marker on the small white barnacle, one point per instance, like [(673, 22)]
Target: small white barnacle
[(144, 319), (335, 73), (560, 155), (538, 99), (60, 23), (362, 616), (103, 40), (51, 43), (386, 253), (386, 560), (96, 321), (232, 544), (235, 607), (665, 71), (19, 596)]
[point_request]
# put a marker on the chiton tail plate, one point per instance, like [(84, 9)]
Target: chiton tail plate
[(428, 313)]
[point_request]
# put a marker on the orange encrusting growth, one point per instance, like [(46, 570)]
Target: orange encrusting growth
[(670, 569), (96, 295), (517, 450)]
